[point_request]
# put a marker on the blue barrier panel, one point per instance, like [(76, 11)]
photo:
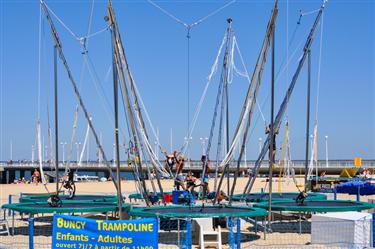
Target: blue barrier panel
[(187, 240), (238, 233), (231, 234), (77, 232), (31, 233)]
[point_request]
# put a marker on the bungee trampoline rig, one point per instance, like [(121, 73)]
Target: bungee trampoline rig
[(283, 196), (67, 198)]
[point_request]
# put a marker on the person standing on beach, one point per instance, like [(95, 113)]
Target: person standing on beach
[(36, 177)]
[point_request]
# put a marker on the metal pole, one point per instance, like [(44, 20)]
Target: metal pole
[(31, 233), (171, 142), (56, 122), (271, 158), (11, 150), (116, 157), (308, 114), (326, 151), (226, 90), (32, 154)]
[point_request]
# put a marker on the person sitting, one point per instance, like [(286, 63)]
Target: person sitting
[(221, 196), (170, 160), (301, 198), (190, 180), (206, 176), (179, 179)]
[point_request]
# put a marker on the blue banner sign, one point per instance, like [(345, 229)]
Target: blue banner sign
[(82, 233)]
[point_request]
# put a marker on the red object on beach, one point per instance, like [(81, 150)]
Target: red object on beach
[(167, 198)]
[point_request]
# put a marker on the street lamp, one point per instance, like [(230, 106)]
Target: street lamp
[(203, 143), (188, 141), (63, 151), (114, 154), (77, 148), (326, 137), (32, 154), (45, 153)]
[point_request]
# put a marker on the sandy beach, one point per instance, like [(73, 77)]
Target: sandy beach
[(286, 237)]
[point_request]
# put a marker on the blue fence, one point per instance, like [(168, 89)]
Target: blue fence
[(34, 233)]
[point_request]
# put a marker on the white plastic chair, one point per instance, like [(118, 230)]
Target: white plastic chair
[(206, 229), (4, 227)]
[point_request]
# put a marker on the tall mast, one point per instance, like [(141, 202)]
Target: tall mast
[(256, 77), (226, 66), (56, 120), (115, 99), (308, 115), (272, 129), (120, 54), (284, 104)]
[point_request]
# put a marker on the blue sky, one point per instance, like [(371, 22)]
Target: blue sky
[(157, 53)]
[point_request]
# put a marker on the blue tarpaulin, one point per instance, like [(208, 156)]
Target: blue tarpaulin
[(353, 188)]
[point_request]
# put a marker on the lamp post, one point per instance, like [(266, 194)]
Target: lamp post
[(188, 141), (11, 150), (45, 153), (326, 137), (32, 154), (77, 150), (63, 151), (114, 155), (203, 143)]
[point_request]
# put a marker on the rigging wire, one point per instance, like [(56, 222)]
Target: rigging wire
[(188, 36), (70, 31), (195, 23)]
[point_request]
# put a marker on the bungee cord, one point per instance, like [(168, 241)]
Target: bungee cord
[(189, 27), (70, 31), (195, 23)]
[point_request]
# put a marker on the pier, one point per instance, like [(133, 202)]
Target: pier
[(11, 171)]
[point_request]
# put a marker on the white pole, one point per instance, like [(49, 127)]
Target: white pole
[(260, 145), (114, 155), (77, 148), (45, 153), (32, 155), (245, 156), (156, 144), (11, 150), (100, 153), (326, 151), (88, 150), (171, 142), (63, 151), (202, 143)]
